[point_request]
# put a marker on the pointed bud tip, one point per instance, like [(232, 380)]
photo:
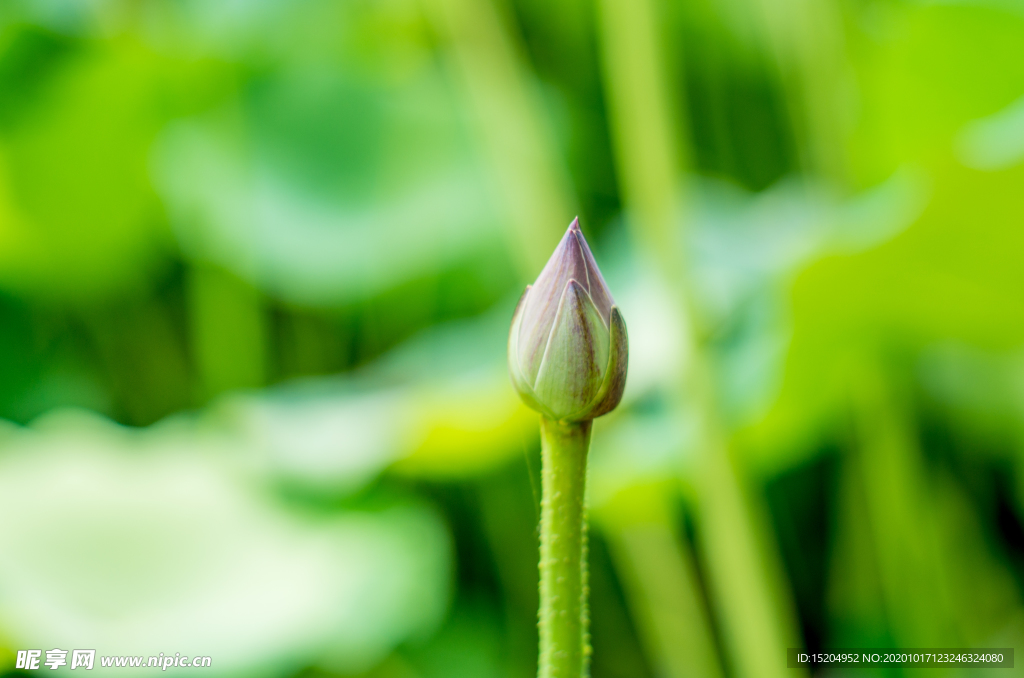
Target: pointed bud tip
[(575, 225)]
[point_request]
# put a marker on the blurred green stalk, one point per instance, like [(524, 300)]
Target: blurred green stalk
[(806, 40), (647, 150), (227, 330), (660, 581), (901, 516), (564, 619), (744, 574), (519, 146)]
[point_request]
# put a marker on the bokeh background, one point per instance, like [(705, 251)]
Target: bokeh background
[(257, 264)]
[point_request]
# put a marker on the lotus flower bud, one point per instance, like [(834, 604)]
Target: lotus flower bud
[(567, 349)]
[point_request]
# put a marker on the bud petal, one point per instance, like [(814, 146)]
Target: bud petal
[(523, 387), (576, 356)]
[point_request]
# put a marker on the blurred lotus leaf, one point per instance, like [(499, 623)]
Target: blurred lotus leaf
[(925, 71), (140, 543), (439, 406), (325, 434), (936, 282), (994, 142), (746, 249), (324, 188)]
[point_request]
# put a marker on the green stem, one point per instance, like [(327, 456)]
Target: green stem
[(564, 638)]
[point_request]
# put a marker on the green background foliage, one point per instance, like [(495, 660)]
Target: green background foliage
[(257, 265)]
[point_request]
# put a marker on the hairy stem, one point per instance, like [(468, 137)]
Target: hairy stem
[(564, 638)]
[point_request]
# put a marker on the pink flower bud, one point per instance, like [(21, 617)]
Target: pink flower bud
[(567, 349)]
